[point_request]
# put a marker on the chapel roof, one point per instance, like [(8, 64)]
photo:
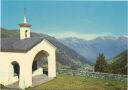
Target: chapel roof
[(24, 25), (17, 45)]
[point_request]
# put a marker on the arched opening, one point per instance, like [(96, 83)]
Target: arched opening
[(40, 63), (16, 68), (14, 73), (26, 31)]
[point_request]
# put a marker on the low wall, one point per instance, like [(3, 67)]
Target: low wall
[(106, 76)]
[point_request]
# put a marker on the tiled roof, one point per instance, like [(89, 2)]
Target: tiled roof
[(25, 25), (17, 45)]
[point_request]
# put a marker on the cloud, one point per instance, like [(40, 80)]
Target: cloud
[(85, 36)]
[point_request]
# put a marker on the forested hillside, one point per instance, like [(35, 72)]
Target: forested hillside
[(119, 63)]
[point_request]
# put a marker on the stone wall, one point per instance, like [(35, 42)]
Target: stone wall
[(106, 76)]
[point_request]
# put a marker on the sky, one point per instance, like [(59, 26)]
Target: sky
[(82, 19)]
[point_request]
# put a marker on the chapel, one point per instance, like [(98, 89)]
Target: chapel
[(21, 59)]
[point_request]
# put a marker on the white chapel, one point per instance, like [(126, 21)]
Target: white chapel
[(20, 58)]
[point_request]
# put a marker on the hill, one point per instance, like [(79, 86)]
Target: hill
[(109, 45), (65, 56), (119, 63)]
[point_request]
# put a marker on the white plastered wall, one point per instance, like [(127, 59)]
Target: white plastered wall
[(25, 61)]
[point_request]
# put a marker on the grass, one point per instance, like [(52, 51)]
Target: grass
[(67, 82)]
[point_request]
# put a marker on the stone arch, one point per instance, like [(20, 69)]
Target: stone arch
[(37, 64)]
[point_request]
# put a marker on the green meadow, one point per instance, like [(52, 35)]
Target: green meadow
[(68, 82)]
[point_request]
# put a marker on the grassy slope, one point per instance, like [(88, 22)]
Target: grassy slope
[(66, 82)]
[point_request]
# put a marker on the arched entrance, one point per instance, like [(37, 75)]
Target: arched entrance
[(40, 63), (14, 73), (16, 68)]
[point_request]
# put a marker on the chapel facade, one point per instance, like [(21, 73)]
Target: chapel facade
[(21, 58)]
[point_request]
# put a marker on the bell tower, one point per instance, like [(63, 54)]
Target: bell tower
[(24, 28)]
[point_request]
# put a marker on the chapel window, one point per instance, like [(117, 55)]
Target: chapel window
[(26, 33)]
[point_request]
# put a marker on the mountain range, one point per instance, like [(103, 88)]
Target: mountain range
[(73, 51), (109, 45)]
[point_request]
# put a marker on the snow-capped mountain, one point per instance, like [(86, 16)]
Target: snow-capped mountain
[(109, 45)]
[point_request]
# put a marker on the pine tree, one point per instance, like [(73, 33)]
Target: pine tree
[(101, 65)]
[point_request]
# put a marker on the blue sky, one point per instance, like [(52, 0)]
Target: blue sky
[(67, 18)]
